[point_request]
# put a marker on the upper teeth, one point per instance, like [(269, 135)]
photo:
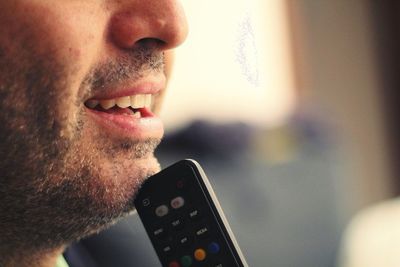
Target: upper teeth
[(134, 101)]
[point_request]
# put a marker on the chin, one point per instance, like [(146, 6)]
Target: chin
[(95, 196)]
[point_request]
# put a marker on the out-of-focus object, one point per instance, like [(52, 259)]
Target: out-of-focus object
[(339, 75), (373, 237)]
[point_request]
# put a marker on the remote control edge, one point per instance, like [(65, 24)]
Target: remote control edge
[(196, 167)]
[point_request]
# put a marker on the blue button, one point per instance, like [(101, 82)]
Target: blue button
[(214, 248)]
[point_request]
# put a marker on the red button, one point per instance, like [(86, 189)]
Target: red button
[(173, 264), (177, 202), (180, 184)]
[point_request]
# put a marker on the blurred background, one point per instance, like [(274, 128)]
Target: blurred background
[(288, 104)]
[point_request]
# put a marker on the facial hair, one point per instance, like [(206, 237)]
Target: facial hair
[(57, 184)]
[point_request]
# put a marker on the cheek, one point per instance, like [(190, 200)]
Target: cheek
[(75, 40), (66, 41), (75, 53), (71, 37), (69, 33)]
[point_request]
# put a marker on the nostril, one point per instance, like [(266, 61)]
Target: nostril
[(152, 44), (155, 23)]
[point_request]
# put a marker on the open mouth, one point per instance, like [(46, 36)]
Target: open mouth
[(138, 106), (127, 116)]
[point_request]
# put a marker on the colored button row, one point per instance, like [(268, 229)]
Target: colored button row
[(175, 203), (199, 255)]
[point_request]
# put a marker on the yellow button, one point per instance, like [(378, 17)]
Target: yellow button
[(200, 254)]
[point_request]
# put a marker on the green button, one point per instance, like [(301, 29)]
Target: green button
[(186, 261)]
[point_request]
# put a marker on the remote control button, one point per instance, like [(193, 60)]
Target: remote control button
[(218, 265), (180, 184), (161, 211), (200, 254), (186, 261), (159, 232), (194, 214), (167, 250), (185, 240), (177, 224), (174, 264), (214, 248), (146, 202), (202, 232), (177, 202)]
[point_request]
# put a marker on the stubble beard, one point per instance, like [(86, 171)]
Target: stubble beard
[(61, 180)]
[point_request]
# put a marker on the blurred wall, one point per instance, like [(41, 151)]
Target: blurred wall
[(337, 71), (386, 15)]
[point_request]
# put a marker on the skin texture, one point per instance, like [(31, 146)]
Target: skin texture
[(62, 177)]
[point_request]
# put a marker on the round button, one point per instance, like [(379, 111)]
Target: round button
[(180, 184), (186, 261), (214, 248), (174, 264), (200, 254), (161, 211), (177, 202)]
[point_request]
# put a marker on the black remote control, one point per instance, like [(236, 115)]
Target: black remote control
[(184, 220)]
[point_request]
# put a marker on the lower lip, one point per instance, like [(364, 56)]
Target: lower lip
[(127, 126)]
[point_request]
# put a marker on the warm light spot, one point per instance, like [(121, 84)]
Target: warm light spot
[(235, 65)]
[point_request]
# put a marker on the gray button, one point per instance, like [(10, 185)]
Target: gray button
[(162, 211)]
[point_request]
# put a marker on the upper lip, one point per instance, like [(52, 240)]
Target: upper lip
[(144, 86)]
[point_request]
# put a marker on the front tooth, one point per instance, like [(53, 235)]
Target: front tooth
[(107, 104), (137, 101), (92, 103), (123, 102), (137, 115), (147, 102)]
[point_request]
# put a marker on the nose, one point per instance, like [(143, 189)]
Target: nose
[(162, 22)]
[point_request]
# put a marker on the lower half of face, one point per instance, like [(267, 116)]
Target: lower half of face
[(63, 175)]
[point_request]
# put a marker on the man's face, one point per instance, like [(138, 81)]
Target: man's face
[(77, 134)]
